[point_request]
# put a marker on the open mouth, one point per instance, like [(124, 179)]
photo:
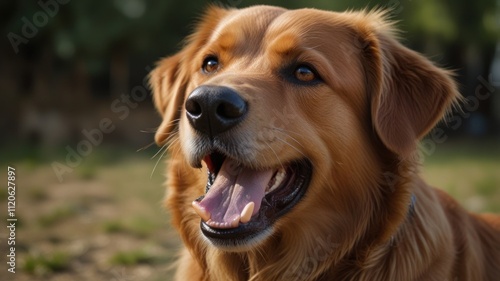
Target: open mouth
[(241, 203)]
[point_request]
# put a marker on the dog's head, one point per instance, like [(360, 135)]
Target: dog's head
[(295, 114)]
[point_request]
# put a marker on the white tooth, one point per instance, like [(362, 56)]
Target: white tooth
[(205, 216), (246, 214), (280, 175), (235, 222)]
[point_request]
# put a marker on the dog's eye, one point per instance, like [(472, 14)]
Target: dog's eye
[(210, 64), (304, 73)]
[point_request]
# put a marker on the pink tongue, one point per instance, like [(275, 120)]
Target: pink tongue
[(234, 187)]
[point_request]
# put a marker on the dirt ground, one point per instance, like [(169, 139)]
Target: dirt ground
[(105, 220), (101, 223)]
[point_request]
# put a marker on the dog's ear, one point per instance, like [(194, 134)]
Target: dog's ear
[(169, 86), (409, 94), (170, 78)]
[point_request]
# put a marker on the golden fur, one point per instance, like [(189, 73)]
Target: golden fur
[(359, 128)]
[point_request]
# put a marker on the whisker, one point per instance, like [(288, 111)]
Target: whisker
[(170, 140), (296, 149), (164, 148), (177, 152), (145, 147), (292, 146), (149, 131), (171, 136), (174, 121), (172, 143), (159, 150), (171, 122), (288, 135), (283, 167), (158, 161), (283, 130)]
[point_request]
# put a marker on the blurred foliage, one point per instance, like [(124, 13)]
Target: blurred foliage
[(139, 227), (92, 28), (131, 257), (39, 264), (83, 52), (57, 215)]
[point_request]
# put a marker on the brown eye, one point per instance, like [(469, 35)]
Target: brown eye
[(304, 73), (210, 64)]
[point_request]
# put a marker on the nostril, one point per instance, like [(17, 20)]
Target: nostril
[(193, 107), (212, 110), (232, 109)]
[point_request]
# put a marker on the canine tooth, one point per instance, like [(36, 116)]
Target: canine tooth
[(205, 216), (246, 214)]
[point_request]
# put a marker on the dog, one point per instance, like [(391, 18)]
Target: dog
[(292, 137)]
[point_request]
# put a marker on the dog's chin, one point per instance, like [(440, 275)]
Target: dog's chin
[(237, 245), (242, 204)]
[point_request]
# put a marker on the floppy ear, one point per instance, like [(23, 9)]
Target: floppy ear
[(169, 85), (409, 94), (171, 76)]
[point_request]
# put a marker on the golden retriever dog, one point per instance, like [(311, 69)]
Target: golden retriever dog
[(292, 137)]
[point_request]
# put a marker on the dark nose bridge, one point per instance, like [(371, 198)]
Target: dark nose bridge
[(212, 110)]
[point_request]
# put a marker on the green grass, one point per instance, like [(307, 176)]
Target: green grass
[(114, 227), (57, 215), (4, 195), (87, 171), (38, 194), (488, 186), (39, 264), (468, 171), (140, 227), (131, 257), (485, 151)]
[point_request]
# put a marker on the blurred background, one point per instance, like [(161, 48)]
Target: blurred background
[(76, 112)]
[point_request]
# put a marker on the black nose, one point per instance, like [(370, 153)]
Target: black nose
[(214, 109)]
